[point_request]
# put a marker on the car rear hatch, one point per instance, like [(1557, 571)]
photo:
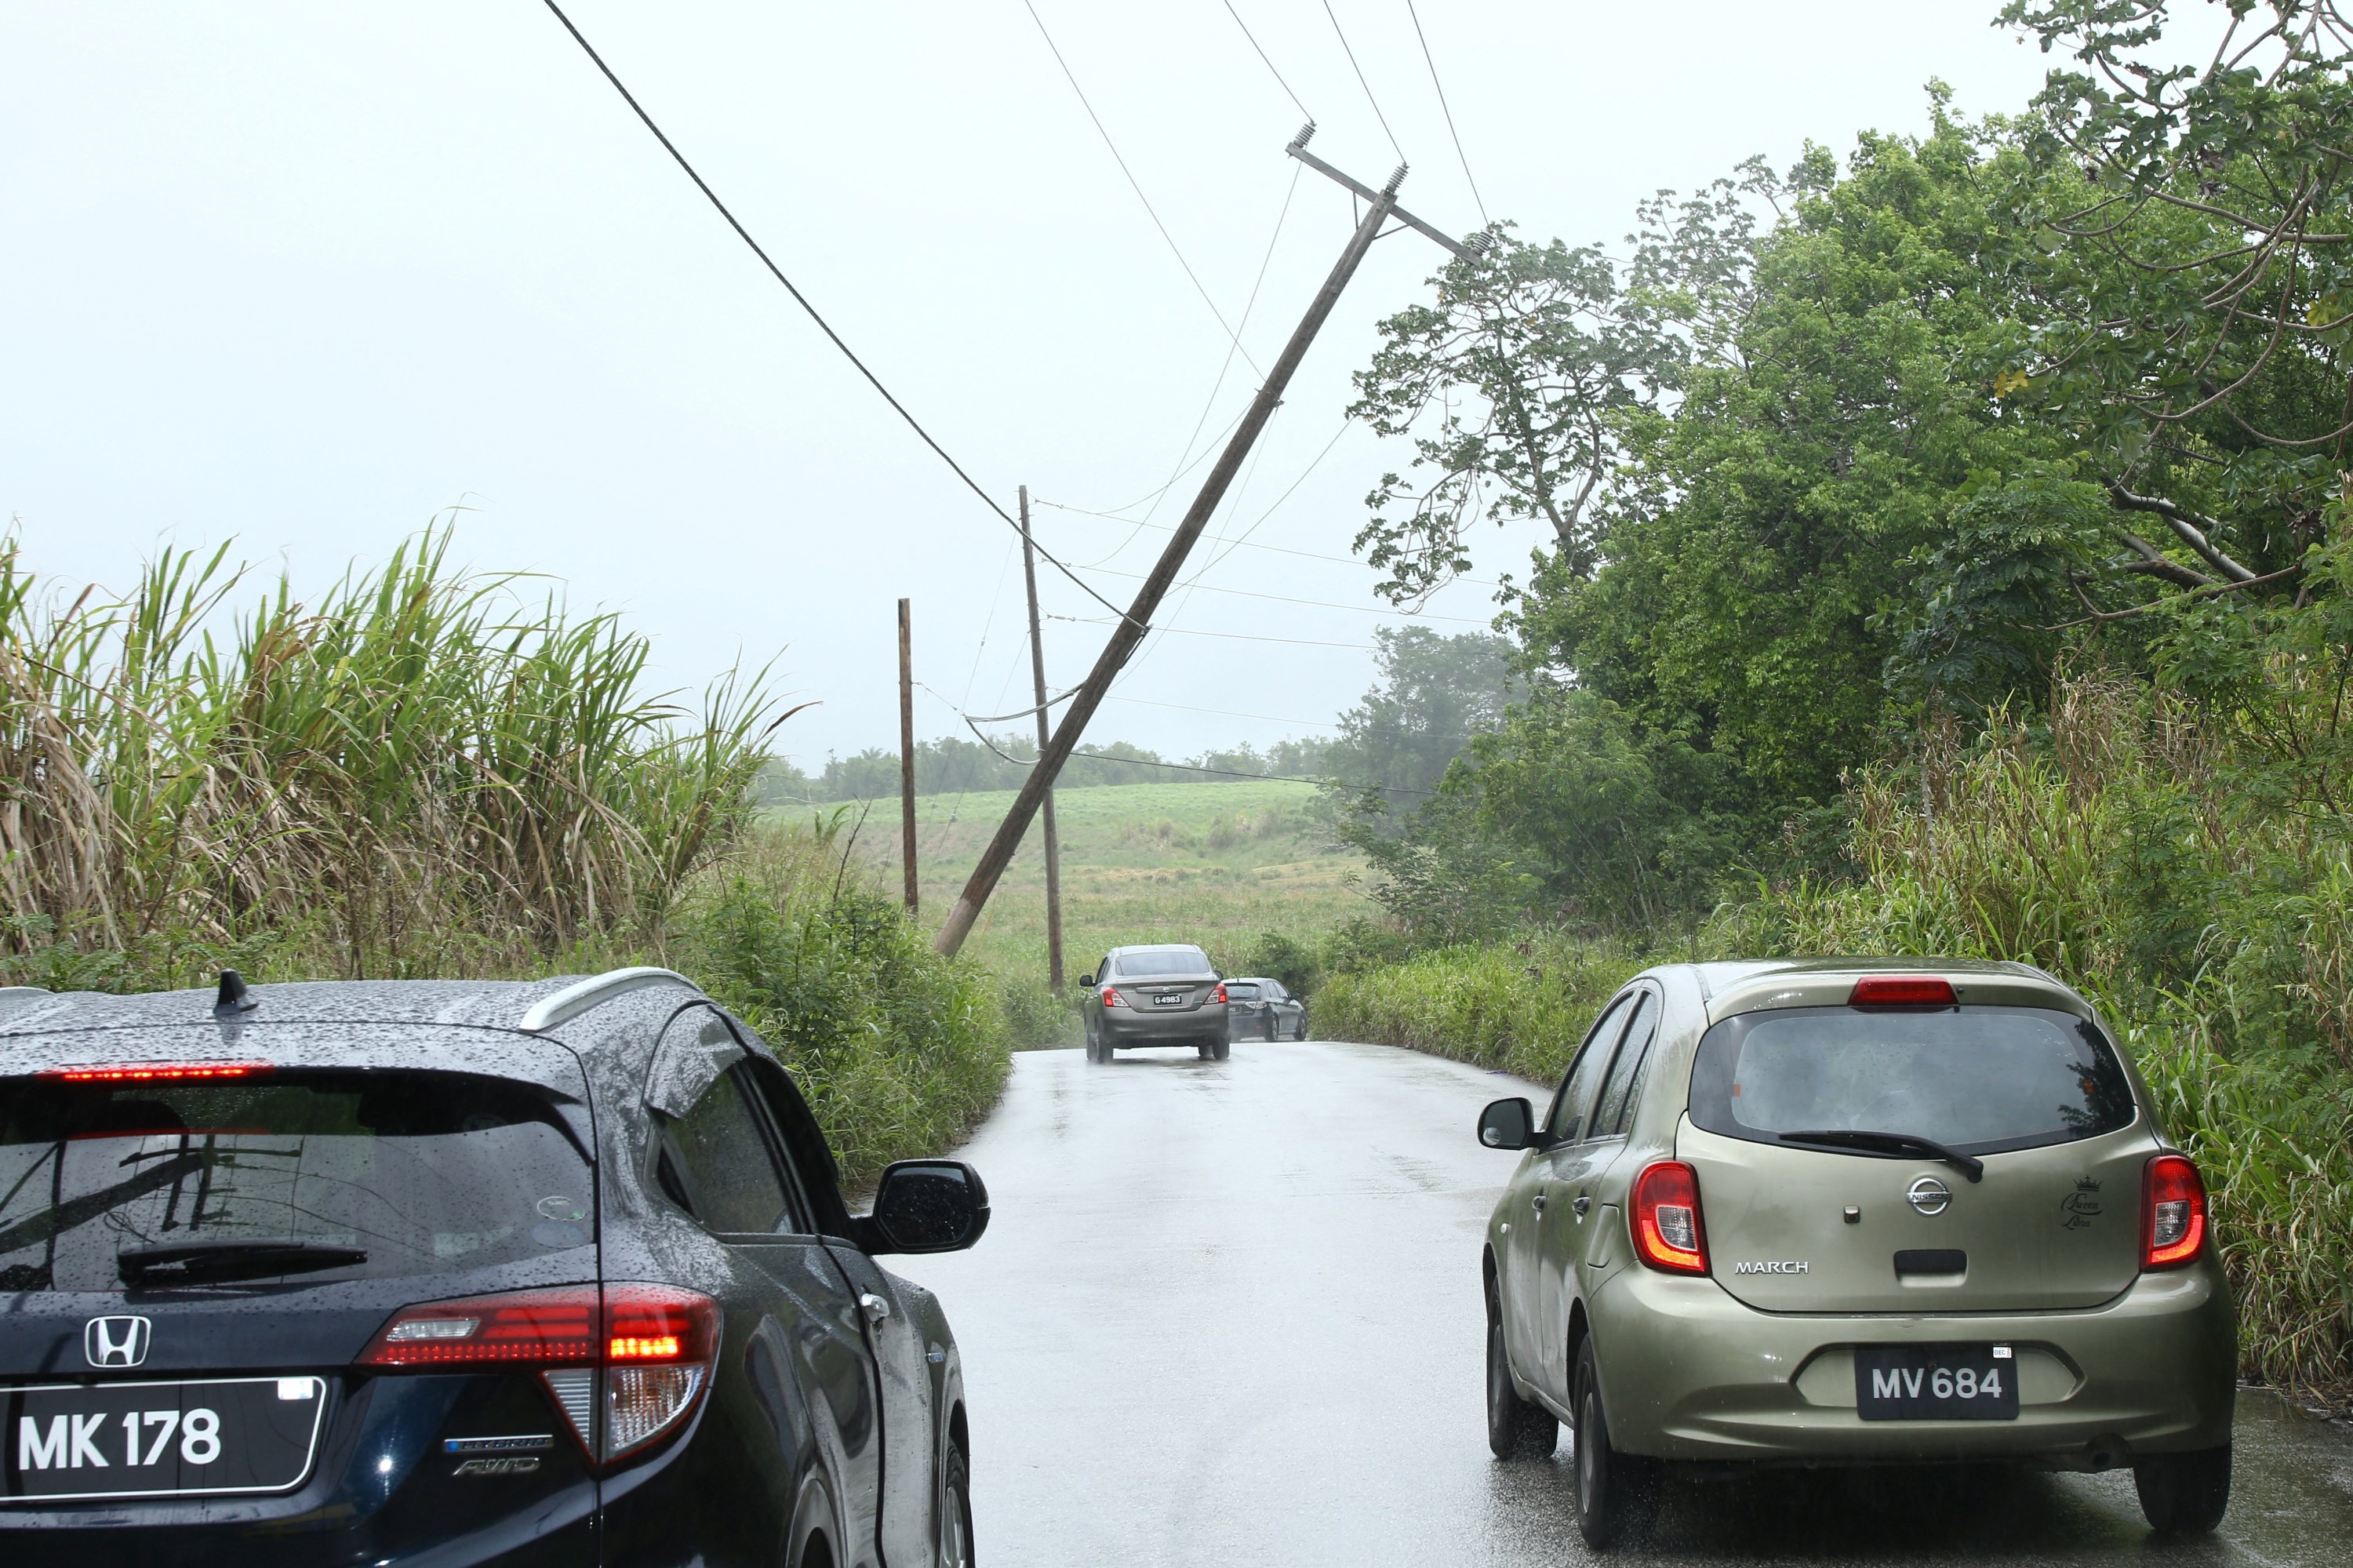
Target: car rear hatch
[(202, 1232), (1811, 1128)]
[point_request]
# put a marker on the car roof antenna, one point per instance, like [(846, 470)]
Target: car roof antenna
[(235, 998)]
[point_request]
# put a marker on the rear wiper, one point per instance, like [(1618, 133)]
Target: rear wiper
[(214, 1262), (1894, 1143)]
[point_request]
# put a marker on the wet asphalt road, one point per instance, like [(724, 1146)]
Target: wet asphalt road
[(1228, 1313)]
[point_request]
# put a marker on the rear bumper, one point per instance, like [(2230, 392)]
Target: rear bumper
[(1177, 1026), (1688, 1373)]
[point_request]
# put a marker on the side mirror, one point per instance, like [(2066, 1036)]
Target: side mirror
[(1086, 982), (1508, 1124), (928, 1206)]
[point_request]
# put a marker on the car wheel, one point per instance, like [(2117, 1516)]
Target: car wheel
[(2184, 1494), (1615, 1492), (1302, 1031), (956, 1511), (1222, 1049), (1272, 1034), (1516, 1428)]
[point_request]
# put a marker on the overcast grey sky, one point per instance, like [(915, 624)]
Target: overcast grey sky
[(304, 275)]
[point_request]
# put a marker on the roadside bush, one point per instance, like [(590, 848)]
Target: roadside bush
[(1035, 1018)]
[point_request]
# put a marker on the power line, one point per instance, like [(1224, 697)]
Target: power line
[(1231, 635), (1314, 603), (1132, 184), (1237, 15), (1448, 112), (802, 300), (1221, 712), (1238, 543), (1362, 82)]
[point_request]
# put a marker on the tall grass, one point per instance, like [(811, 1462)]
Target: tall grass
[(420, 769)]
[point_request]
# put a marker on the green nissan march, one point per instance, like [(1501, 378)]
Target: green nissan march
[(1834, 1213)]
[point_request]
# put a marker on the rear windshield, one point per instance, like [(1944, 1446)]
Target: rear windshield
[(285, 1175), (1240, 991), (1979, 1079), (1164, 962)]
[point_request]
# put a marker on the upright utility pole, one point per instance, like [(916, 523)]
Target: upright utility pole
[(907, 753), (1138, 619), (1045, 738)]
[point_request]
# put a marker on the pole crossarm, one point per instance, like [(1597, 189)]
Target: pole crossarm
[(1298, 149)]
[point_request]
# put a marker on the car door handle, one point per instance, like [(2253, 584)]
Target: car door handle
[(1584, 1202), (874, 1306), (1538, 1202)]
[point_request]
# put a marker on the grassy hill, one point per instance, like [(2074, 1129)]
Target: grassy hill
[(1213, 864)]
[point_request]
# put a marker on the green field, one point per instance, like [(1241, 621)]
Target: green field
[(1213, 863)]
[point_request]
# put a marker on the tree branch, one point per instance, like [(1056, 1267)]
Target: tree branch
[(2190, 527), (2153, 563)]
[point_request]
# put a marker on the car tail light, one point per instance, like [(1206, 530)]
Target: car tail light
[(156, 1072), (1902, 990), (1218, 994), (2173, 1213), (642, 1352), (1113, 999), (1668, 1233)]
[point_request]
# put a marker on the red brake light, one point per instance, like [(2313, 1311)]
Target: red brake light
[(1113, 999), (533, 1328), (1902, 990), (2173, 1213), (658, 1323), (156, 1072), (1218, 994), (1668, 1233)]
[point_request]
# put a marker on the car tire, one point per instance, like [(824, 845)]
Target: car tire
[(1615, 1492), (956, 1511), (1272, 1034), (1301, 1033), (2184, 1494), (1222, 1049), (1516, 1428)]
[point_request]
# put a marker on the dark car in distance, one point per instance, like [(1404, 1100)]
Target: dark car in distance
[(552, 1273), (1260, 1007), (1166, 994)]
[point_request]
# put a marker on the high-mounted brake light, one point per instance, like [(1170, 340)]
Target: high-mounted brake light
[(1668, 1233), (2173, 1212), (1902, 990), (155, 1072), (1113, 999), (641, 1352)]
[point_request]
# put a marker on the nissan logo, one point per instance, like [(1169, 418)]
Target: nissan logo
[(116, 1342), (1929, 1195)]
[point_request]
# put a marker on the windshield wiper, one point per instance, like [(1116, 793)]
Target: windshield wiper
[(214, 1262), (1894, 1143)]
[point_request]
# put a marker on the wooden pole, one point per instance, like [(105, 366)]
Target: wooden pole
[(1045, 738), (1138, 619), (907, 754)]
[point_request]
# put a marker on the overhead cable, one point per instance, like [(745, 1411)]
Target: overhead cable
[(1238, 543), (802, 300), (1133, 185), (1233, 636), (1448, 112), (1313, 603), (1254, 44), (1362, 82)]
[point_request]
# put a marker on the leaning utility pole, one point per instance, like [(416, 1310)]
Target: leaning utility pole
[(907, 752), (1138, 619), (1045, 738)]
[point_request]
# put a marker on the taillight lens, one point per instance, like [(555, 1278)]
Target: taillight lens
[(1218, 994), (1669, 1233), (1113, 999), (638, 1356), (1902, 991), (156, 1072), (2173, 1213)]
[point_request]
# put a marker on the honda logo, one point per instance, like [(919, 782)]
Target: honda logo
[(116, 1342)]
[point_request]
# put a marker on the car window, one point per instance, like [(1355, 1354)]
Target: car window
[(722, 1156), (1240, 991), (1979, 1079), (1275, 993), (413, 1172), (1569, 1107), (1622, 1092), (1148, 961)]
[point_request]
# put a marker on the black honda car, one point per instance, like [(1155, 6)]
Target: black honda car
[(420, 1272)]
